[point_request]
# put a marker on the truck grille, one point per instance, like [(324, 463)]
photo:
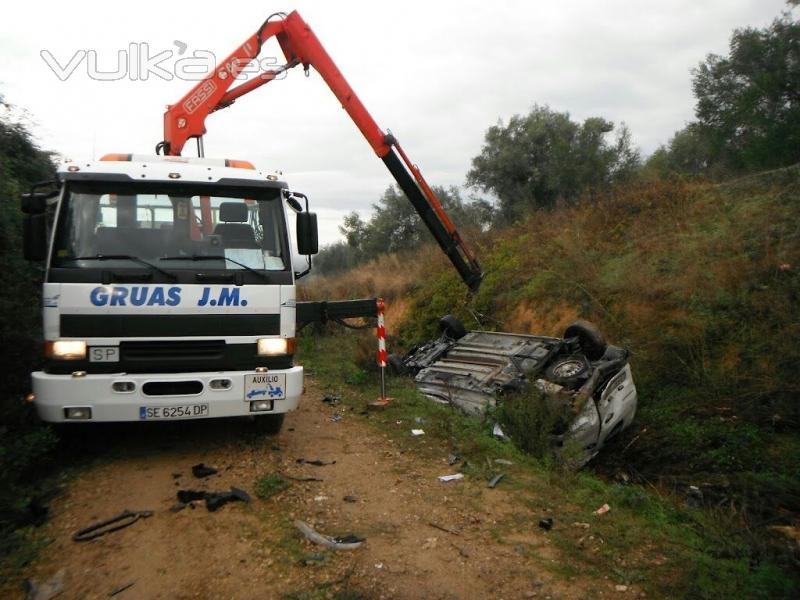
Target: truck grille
[(172, 350)]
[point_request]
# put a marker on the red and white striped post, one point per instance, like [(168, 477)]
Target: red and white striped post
[(381, 333)]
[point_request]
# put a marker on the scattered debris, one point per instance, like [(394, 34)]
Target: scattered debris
[(621, 588), (178, 507), (581, 525), (453, 459), (315, 558), (336, 418), (214, 500), (121, 589), (46, 589), (348, 542), (200, 471), (378, 565), (417, 432), (316, 462), (694, 496), (446, 478), (503, 461), (320, 498), (304, 478), (546, 524), (350, 499), (602, 510), (496, 479), (498, 433), (443, 528), (332, 400), (430, 543), (122, 520)]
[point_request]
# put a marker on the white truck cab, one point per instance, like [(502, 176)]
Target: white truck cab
[(169, 290)]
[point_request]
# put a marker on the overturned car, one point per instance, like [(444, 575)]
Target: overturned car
[(581, 372)]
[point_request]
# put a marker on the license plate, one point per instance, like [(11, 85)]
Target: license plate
[(182, 411), (264, 386), (104, 354)]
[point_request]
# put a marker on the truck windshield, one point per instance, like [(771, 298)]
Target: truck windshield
[(178, 226)]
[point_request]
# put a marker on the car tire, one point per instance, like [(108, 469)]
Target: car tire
[(452, 327), (592, 342), (269, 424), (569, 371), (396, 364)]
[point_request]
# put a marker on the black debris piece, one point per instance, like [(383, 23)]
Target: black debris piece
[(276, 448), (350, 499), (187, 496), (178, 507), (333, 400), (122, 520), (316, 462), (121, 589), (177, 475), (350, 538), (202, 470), (496, 479), (453, 459), (213, 500), (293, 478), (546, 524)]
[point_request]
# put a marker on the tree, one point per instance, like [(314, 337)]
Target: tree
[(544, 156), (748, 103)]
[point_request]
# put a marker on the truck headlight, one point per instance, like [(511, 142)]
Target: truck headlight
[(65, 349), (275, 346)]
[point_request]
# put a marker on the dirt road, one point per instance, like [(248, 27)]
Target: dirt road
[(424, 538)]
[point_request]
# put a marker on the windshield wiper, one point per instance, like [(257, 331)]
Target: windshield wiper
[(196, 257), (136, 259)]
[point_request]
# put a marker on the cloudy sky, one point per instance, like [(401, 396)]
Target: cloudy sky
[(436, 73)]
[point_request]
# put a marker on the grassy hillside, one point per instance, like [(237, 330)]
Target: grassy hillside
[(699, 281)]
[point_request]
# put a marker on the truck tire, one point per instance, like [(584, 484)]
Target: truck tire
[(452, 327), (269, 424), (592, 342)]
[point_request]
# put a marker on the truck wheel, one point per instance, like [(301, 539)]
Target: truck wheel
[(269, 424), (452, 327), (591, 340)]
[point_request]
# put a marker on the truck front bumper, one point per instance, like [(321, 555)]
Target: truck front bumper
[(54, 394)]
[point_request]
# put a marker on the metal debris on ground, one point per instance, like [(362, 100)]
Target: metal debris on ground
[(45, 590), (122, 520), (495, 480), (316, 462), (455, 477), (336, 418), (602, 510), (417, 432), (546, 524), (214, 500), (348, 542), (121, 589), (200, 471), (315, 558), (498, 433), (443, 528), (309, 478)]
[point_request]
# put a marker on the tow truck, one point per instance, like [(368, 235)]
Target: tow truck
[(169, 286)]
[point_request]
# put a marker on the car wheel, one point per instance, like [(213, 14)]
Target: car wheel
[(592, 342), (567, 371), (396, 364), (452, 327), (269, 424)]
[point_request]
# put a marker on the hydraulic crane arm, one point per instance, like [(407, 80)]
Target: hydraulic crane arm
[(299, 44)]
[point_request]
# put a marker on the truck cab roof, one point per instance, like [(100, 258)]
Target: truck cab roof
[(141, 167)]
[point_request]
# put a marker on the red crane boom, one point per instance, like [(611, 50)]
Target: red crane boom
[(300, 46)]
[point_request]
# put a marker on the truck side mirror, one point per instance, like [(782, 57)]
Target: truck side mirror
[(307, 236), (34, 237)]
